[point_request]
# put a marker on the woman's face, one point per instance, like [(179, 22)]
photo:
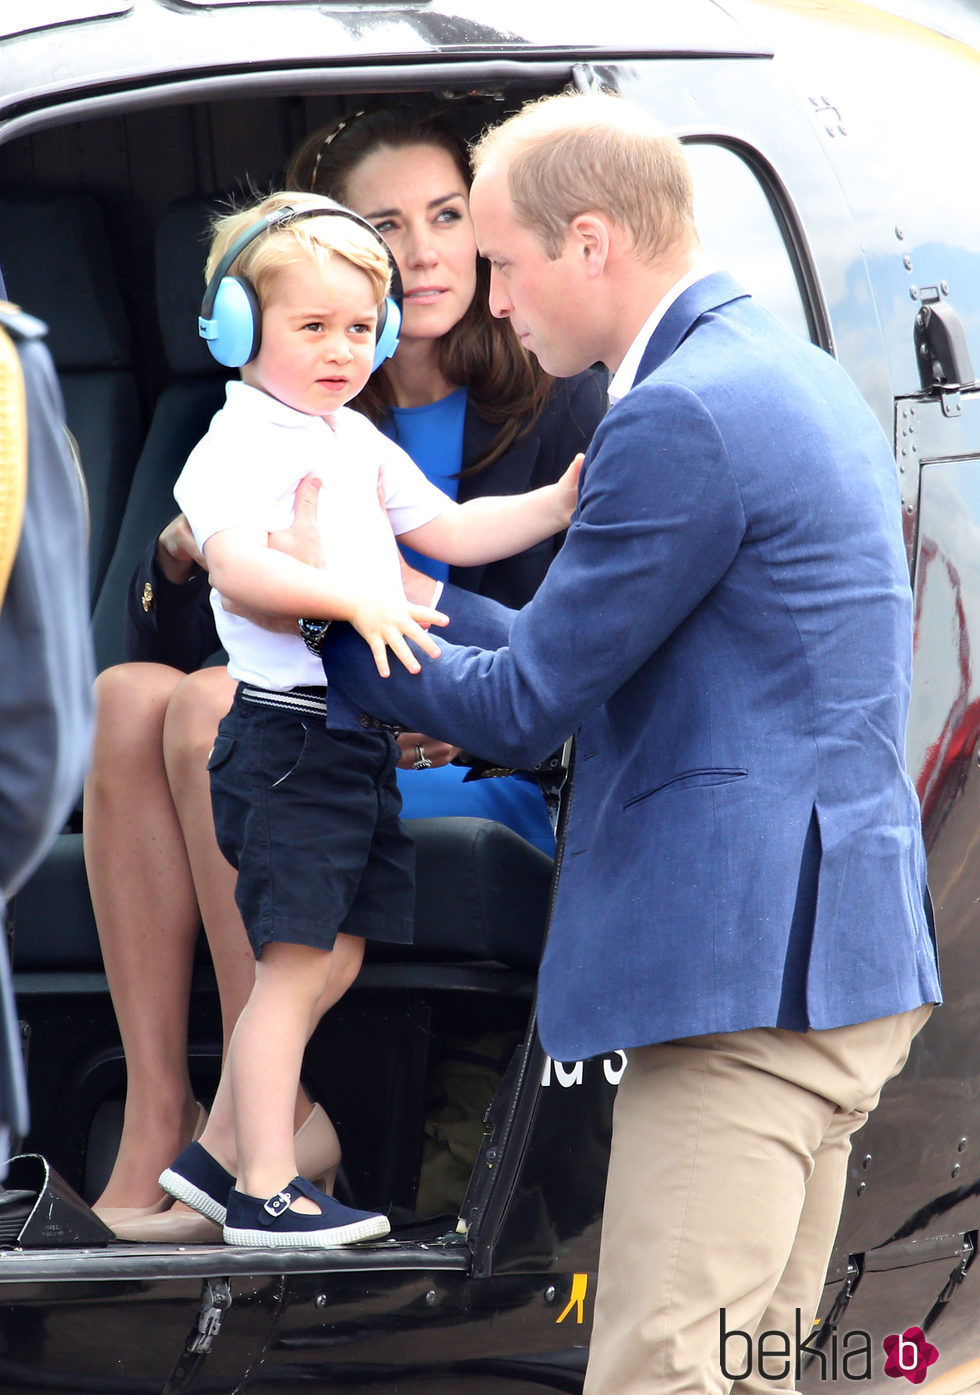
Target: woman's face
[(417, 199)]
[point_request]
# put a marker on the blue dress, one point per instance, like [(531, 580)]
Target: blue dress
[(433, 436)]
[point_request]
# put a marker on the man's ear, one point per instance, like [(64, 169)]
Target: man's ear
[(591, 238)]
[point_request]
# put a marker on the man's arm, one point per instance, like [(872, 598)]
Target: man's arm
[(660, 521)]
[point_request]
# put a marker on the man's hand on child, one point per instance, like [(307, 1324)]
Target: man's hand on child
[(302, 538), (385, 622)]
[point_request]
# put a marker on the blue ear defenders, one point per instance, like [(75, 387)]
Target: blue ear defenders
[(231, 318)]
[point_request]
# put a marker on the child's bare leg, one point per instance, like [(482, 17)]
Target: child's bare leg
[(146, 912), (251, 1127)]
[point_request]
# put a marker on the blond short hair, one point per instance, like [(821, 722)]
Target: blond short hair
[(594, 152), (316, 239)]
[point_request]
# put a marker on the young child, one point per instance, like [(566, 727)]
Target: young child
[(305, 801)]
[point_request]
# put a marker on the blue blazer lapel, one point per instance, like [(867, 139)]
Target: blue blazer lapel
[(707, 294)]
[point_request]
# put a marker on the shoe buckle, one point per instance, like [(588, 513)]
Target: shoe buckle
[(277, 1204)]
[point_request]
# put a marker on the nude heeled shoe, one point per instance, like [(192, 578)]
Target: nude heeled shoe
[(114, 1216), (318, 1149), (317, 1157), (178, 1225)]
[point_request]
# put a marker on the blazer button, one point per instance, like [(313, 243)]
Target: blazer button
[(364, 719)]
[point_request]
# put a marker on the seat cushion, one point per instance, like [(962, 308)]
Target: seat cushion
[(481, 893)]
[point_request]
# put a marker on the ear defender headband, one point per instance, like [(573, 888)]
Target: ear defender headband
[(231, 318)]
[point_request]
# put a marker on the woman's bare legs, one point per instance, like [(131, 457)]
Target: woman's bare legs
[(197, 706), (146, 910)]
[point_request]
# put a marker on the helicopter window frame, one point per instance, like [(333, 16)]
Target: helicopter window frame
[(769, 252)]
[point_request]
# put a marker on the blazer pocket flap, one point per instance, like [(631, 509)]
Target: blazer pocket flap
[(691, 779)]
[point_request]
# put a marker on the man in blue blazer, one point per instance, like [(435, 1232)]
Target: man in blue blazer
[(727, 632)]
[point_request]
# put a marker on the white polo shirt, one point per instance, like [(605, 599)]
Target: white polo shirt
[(243, 474)]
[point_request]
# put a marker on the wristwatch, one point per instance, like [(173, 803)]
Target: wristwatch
[(312, 632)]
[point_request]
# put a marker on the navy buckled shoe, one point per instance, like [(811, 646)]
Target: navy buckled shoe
[(252, 1221), (200, 1181)]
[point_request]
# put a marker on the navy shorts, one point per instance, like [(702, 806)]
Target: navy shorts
[(310, 819)]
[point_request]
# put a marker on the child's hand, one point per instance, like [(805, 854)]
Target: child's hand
[(566, 490), (384, 622)]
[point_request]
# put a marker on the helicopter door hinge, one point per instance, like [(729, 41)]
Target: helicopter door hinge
[(941, 350)]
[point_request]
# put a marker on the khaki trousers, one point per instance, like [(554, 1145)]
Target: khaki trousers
[(726, 1180)]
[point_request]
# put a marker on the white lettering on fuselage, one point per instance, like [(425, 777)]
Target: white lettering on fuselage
[(569, 1073)]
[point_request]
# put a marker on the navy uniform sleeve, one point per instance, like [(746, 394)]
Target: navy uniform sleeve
[(169, 622)]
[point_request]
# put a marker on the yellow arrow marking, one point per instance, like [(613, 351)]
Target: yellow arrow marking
[(580, 1285)]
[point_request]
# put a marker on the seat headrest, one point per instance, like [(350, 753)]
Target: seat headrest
[(182, 239), (57, 264)]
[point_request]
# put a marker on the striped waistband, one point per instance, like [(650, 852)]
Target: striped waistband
[(312, 701)]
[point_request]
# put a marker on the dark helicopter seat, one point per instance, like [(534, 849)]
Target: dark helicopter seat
[(57, 264), (181, 415), (481, 896)]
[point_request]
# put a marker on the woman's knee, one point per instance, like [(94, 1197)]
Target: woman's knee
[(196, 707), (131, 707)]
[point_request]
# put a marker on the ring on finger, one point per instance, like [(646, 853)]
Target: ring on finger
[(422, 761)]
